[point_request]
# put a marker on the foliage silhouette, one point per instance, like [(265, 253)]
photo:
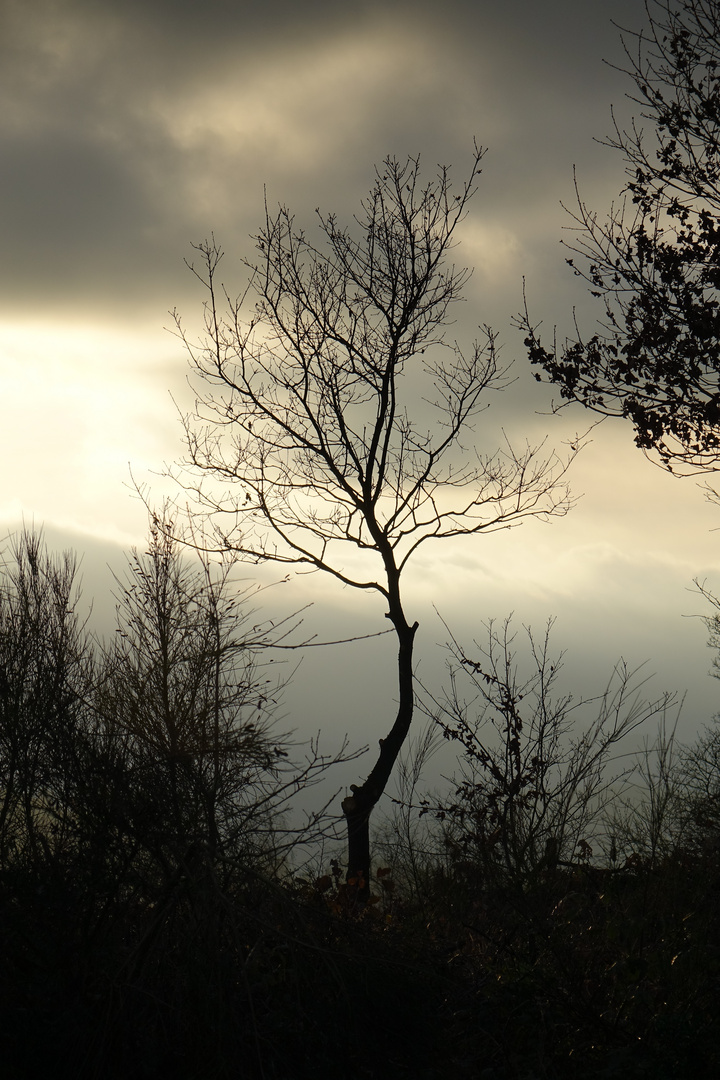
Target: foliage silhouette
[(653, 263), (143, 790), (145, 936)]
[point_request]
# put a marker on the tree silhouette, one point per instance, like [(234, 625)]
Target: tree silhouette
[(45, 671), (328, 426), (655, 261), (186, 697)]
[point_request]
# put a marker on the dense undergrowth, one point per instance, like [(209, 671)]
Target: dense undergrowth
[(157, 920)]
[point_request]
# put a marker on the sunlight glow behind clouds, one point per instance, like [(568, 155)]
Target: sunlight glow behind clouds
[(298, 109), (493, 248), (80, 405)]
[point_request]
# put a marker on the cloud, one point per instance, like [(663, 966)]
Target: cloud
[(81, 404), (123, 138), (127, 131)]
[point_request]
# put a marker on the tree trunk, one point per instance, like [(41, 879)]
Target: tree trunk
[(358, 807)]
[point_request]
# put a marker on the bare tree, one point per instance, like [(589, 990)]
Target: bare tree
[(187, 699), (329, 424), (537, 766), (45, 671)]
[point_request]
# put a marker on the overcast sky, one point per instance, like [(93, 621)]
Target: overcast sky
[(129, 130)]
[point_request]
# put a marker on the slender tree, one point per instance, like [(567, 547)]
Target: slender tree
[(187, 699), (654, 262), (329, 425), (45, 672)]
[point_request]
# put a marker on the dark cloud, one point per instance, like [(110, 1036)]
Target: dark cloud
[(128, 131), (67, 206)]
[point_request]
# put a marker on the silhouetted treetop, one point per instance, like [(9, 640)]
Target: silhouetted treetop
[(654, 262)]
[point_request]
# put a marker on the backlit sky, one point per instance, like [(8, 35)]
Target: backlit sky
[(130, 129)]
